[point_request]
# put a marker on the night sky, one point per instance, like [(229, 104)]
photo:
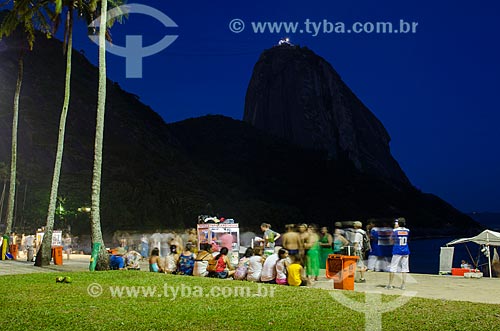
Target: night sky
[(436, 90)]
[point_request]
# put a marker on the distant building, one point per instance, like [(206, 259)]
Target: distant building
[(284, 41)]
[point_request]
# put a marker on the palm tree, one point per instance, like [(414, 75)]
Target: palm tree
[(45, 248), (95, 215), (99, 253), (84, 11), (32, 16), (13, 161)]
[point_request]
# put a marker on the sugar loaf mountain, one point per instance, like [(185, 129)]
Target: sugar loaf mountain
[(307, 150)]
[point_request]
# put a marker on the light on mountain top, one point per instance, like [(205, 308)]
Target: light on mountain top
[(284, 41)]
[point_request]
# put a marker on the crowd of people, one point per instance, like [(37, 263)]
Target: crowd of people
[(26, 246), (295, 257), (277, 268)]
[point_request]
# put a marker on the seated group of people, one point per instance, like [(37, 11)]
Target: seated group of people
[(278, 268), (120, 259), (174, 263)]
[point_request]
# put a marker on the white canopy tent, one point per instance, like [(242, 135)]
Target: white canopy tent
[(487, 238)]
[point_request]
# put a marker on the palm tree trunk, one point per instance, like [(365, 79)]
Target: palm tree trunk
[(16, 206), (49, 226), (13, 163), (102, 260), (21, 226), (2, 200)]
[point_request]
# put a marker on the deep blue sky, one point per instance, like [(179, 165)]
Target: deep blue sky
[(435, 91)]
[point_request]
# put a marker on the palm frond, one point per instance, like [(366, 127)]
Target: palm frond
[(31, 15), (59, 5)]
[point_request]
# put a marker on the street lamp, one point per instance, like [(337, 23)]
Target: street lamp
[(84, 209)]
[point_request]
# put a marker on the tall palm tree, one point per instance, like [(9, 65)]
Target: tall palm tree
[(84, 10), (95, 215), (99, 251), (32, 16), (87, 10), (43, 259)]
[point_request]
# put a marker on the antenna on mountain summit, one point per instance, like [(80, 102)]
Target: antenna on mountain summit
[(284, 41)]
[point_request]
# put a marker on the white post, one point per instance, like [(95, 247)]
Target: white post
[(489, 255), (489, 260)]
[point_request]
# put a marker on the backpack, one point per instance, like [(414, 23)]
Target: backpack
[(366, 243), (350, 235), (212, 265), (186, 264), (241, 271), (203, 257), (270, 237)]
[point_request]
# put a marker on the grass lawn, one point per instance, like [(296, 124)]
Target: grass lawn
[(37, 302)]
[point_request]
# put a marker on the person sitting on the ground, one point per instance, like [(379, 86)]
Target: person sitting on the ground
[(268, 274), (116, 260), (224, 268), (242, 269), (132, 259), (215, 247), (153, 260), (201, 260), (295, 271), (185, 263), (255, 267), (281, 266), (171, 260)]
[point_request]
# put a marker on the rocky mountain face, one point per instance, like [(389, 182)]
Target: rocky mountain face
[(162, 176), (297, 95), (139, 149), (258, 176)]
